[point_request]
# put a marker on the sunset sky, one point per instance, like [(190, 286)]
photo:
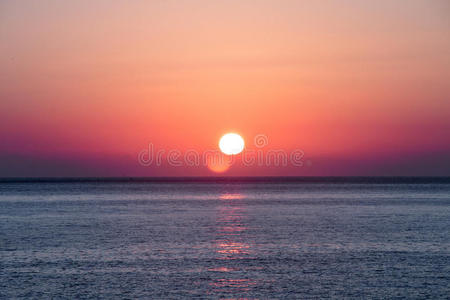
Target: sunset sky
[(361, 87)]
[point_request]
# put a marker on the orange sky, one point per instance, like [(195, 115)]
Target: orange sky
[(362, 88)]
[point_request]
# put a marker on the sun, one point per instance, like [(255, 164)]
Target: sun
[(231, 143)]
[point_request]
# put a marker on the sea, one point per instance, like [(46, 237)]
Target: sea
[(230, 238)]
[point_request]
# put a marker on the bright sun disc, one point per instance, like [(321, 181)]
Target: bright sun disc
[(231, 143)]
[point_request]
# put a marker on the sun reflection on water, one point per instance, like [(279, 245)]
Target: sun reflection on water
[(231, 196), (232, 245)]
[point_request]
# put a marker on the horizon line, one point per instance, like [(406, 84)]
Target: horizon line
[(231, 179)]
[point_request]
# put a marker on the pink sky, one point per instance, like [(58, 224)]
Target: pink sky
[(361, 88)]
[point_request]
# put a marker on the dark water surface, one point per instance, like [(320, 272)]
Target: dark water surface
[(238, 239)]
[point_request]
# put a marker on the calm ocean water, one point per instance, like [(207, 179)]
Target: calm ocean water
[(225, 239)]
